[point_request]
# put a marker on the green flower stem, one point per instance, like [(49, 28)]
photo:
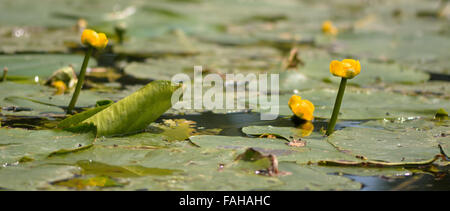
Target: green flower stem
[(5, 72), (73, 101), (337, 107)]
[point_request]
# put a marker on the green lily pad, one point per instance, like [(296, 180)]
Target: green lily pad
[(396, 142), (39, 100), (32, 39), (366, 104), (313, 179), (218, 60), (252, 160), (34, 177), (316, 149), (317, 66), (18, 143), (362, 171), (43, 66), (288, 173), (429, 89), (401, 48), (157, 47), (294, 81)]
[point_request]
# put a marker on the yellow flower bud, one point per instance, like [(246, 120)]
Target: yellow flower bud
[(303, 109), (347, 68), (60, 87), (94, 39), (328, 28)]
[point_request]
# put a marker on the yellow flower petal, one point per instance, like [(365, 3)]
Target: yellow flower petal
[(88, 37), (329, 28), (102, 41), (347, 68), (60, 87), (303, 109), (92, 38)]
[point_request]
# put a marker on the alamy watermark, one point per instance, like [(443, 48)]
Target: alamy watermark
[(228, 92)]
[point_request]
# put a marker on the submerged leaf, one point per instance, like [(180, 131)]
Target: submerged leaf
[(93, 182), (103, 169), (174, 130)]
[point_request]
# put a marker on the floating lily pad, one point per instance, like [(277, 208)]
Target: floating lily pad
[(402, 46), (364, 171), (317, 67), (366, 104), (32, 39), (34, 177), (18, 143), (313, 179), (40, 100), (409, 141), (43, 66), (428, 89), (315, 150), (219, 60), (403, 49)]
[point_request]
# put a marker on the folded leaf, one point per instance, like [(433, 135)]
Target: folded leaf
[(134, 112), (77, 118)]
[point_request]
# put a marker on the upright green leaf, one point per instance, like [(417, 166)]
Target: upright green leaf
[(136, 111), (77, 118)]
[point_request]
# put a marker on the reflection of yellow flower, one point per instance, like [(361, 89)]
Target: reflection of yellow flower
[(92, 38), (328, 28), (303, 109), (347, 68), (307, 128)]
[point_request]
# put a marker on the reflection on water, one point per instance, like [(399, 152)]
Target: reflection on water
[(419, 182), (231, 124), (234, 122)]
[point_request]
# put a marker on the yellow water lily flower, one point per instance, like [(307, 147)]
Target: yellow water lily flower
[(347, 68), (60, 87), (94, 39), (329, 28), (303, 109)]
